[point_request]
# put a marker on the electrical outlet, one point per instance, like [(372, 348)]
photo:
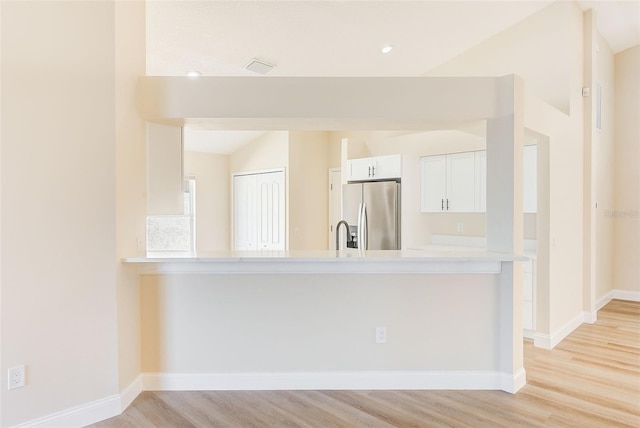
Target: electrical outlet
[(381, 334), (16, 377), (460, 227), (141, 247)]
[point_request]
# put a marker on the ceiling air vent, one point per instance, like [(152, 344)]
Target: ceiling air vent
[(258, 66)]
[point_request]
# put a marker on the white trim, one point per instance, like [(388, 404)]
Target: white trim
[(513, 383), (130, 393), (633, 296), (590, 317), (528, 334), (602, 302), (478, 380), (541, 340), (546, 341), (83, 415), (320, 266), (90, 413)]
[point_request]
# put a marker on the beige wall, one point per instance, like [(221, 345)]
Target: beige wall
[(270, 150), (59, 293), (130, 181), (535, 49), (626, 216), (603, 158), (213, 190), (308, 190), (547, 48)]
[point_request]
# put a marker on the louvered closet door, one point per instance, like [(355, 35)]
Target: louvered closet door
[(244, 213), (259, 211), (271, 211)]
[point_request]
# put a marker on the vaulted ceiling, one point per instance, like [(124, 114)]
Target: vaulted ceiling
[(344, 38)]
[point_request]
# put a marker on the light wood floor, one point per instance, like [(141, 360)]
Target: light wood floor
[(591, 379)]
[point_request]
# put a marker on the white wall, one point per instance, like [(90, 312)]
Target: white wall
[(626, 216), (315, 323), (213, 193), (58, 194)]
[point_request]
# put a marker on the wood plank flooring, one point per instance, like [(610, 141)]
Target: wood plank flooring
[(591, 379)]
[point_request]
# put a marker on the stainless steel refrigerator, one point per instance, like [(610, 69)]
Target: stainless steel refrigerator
[(372, 210)]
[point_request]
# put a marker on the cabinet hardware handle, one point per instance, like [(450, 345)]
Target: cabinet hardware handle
[(442, 204), (369, 171), (373, 171), (447, 204)]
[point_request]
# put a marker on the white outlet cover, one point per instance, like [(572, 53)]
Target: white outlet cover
[(16, 377), (381, 335)]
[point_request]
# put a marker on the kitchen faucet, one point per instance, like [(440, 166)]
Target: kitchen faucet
[(338, 233)]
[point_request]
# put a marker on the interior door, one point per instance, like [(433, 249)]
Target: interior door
[(244, 212), (271, 211), (259, 211)]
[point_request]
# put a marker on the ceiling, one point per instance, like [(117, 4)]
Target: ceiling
[(342, 38)]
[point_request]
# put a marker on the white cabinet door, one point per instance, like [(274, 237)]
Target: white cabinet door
[(481, 181), (374, 168), (386, 167), (461, 183), (433, 183), (530, 179), (259, 211), (359, 169)]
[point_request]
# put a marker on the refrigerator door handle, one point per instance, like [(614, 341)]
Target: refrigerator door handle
[(360, 225), (365, 228)]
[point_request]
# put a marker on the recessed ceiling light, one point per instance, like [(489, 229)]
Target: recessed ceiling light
[(386, 49), (193, 74)]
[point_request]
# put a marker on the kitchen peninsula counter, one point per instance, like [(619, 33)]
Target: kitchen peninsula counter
[(269, 320), (328, 261)]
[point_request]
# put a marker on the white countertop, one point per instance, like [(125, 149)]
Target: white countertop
[(329, 261)]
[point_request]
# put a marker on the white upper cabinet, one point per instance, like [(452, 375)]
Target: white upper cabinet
[(481, 181), (375, 168), (452, 183), (461, 176), (530, 179), (433, 175)]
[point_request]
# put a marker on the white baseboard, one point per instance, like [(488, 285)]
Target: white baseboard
[(89, 413), (330, 380), (528, 334), (590, 317), (633, 296), (130, 393), (79, 416), (602, 302), (513, 383), (546, 341)]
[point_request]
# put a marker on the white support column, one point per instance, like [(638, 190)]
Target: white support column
[(505, 135)]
